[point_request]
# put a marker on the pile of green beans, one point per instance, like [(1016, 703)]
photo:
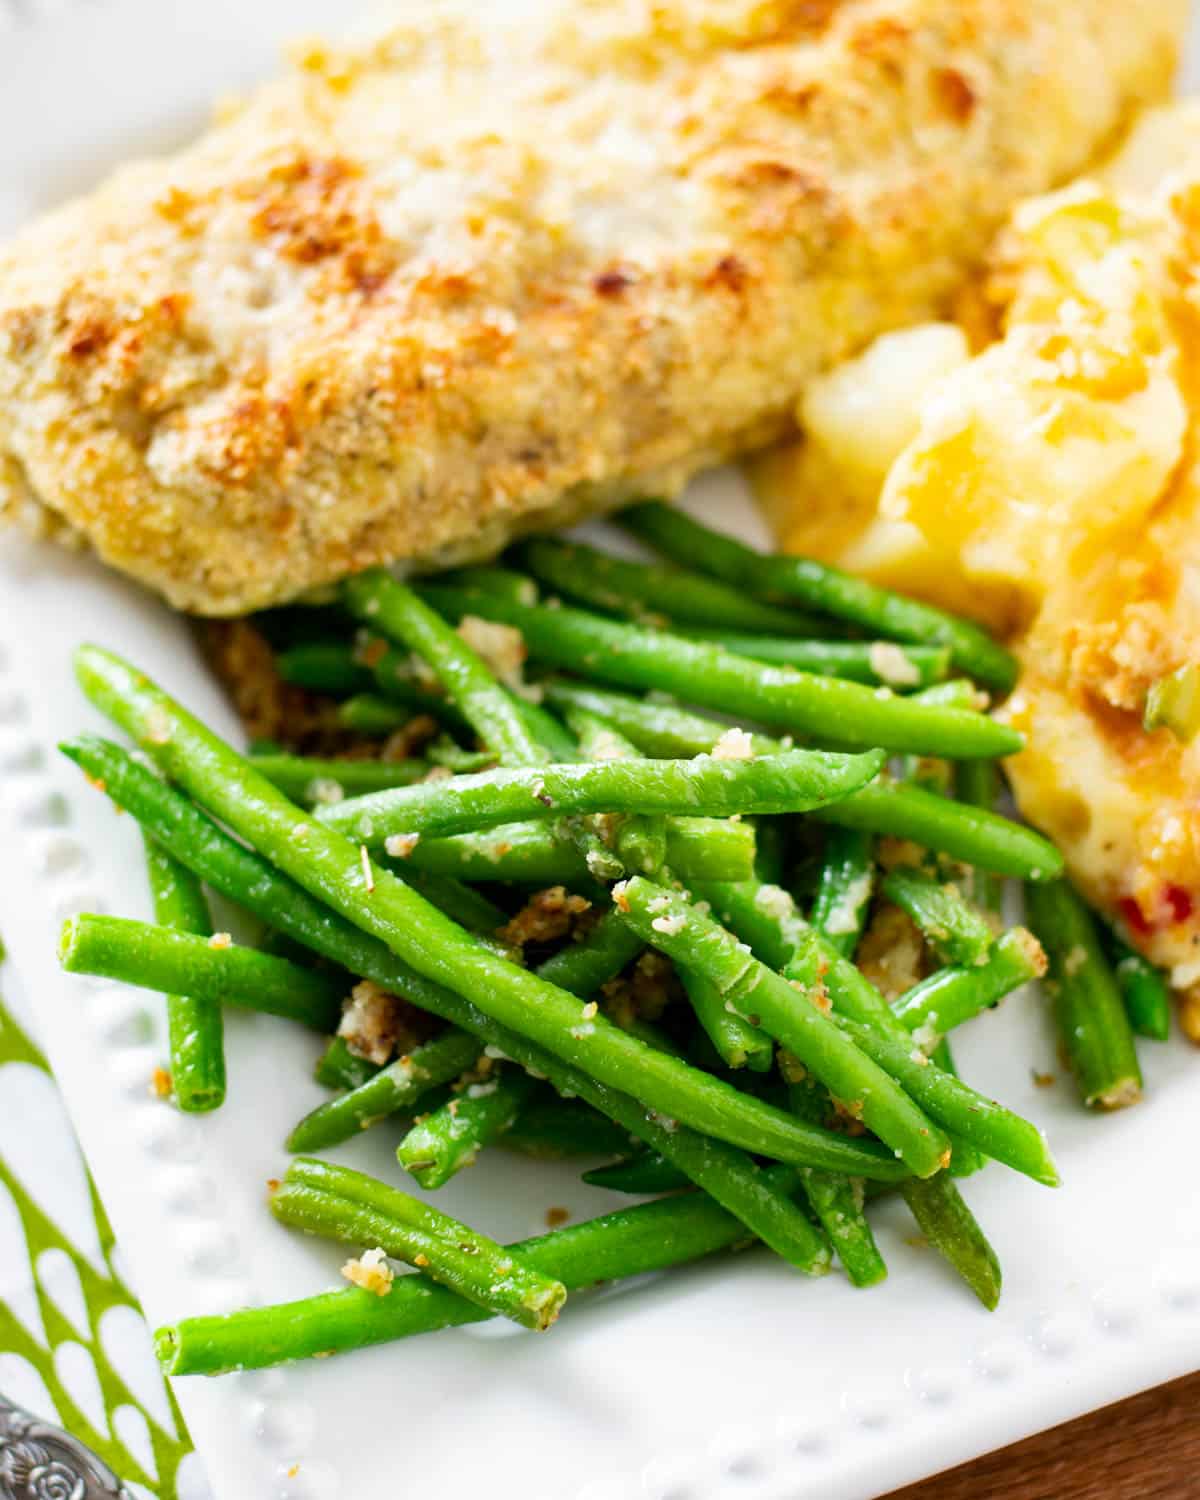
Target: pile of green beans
[(704, 775)]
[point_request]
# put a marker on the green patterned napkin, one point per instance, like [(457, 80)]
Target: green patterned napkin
[(74, 1349)]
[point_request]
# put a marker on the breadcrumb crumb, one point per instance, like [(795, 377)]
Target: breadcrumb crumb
[(547, 917), (401, 845), (375, 1023), (892, 954), (371, 1271)]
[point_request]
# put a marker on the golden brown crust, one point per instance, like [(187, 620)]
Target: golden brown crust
[(464, 276)]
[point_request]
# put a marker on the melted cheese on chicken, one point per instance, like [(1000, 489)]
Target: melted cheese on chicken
[(1050, 486)]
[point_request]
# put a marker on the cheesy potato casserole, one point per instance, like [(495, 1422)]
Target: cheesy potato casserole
[(1034, 463)]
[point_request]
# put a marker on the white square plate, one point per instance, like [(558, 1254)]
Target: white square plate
[(738, 1379)]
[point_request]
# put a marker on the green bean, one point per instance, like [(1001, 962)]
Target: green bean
[(394, 1089), (1088, 1007), (722, 1171), (738, 1043), (554, 738), (762, 916), (942, 1211), (838, 1204), (339, 1068), (380, 601), (939, 1208), (520, 733), (629, 1242), (650, 593), (463, 903), (244, 876), (495, 990), (794, 781), (958, 692), (346, 1205), (195, 1029), (950, 1226), (506, 583), (867, 1019), (970, 834), (822, 588), (445, 752), (1173, 703), (159, 958), (967, 1159), (879, 663), (977, 783), (299, 624), (727, 1175), (994, 1130), (953, 929), (551, 1129), (844, 894), (442, 1143), (367, 713), (1144, 990), (328, 667), (951, 996), (929, 774), (530, 854), (773, 847), (316, 781), (765, 918), (644, 1173), (661, 730), (757, 994), (583, 967), (854, 716), (640, 842)]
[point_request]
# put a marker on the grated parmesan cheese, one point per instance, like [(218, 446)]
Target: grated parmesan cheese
[(1075, 960), (670, 926), (775, 901), (927, 1035), (401, 845), (734, 744), (843, 917), (325, 791), (892, 665)]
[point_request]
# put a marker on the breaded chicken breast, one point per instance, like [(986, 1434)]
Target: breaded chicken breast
[(493, 265)]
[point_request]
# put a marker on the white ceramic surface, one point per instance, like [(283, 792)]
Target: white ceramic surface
[(733, 1381)]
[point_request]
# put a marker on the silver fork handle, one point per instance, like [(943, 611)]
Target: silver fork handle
[(39, 1461)]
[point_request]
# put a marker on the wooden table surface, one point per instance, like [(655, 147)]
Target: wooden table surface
[(1140, 1449)]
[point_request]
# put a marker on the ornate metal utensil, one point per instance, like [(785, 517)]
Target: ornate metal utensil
[(39, 1461)]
